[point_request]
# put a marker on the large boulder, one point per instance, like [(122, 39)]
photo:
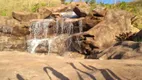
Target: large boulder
[(91, 21), (44, 12), (60, 8), (24, 16), (103, 35), (12, 26), (100, 11), (123, 50), (116, 22), (80, 12), (81, 8)]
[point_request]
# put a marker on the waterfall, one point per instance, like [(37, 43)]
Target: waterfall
[(40, 29)]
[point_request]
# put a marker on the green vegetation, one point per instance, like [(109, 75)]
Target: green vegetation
[(7, 6), (3, 13), (37, 6), (133, 7)]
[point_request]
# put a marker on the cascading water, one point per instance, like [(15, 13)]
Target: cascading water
[(69, 14), (37, 30), (40, 29)]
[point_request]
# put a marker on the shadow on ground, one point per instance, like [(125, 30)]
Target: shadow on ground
[(106, 73)]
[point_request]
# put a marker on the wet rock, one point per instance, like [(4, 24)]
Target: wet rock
[(24, 16), (54, 44), (42, 28), (70, 26), (58, 44), (123, 50), (56, 27)]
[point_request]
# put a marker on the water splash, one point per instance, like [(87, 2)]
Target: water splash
[(33, 44)]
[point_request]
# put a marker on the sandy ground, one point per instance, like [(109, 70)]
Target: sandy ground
[(23, 66)]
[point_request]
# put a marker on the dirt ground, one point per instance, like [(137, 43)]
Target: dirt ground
[(24, 66)]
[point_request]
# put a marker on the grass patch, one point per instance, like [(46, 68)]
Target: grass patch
[(7, 6), (37, 6), (132, 7)]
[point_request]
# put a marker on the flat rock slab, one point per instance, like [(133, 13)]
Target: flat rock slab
[(24, 66)]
